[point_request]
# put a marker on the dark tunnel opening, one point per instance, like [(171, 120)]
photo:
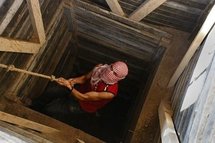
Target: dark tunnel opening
[(112, 122)]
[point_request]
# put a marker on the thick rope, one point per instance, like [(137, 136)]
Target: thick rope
[(13, 68)]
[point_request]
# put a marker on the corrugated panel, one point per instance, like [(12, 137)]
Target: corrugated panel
[(195, 124), (181, 119)]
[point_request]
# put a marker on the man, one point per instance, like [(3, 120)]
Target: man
[(98, 87), (93, 92)]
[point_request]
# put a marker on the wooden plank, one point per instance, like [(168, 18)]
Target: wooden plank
[(52, 25), (145, 29), (26, 123), (103, 41), (115, 7), (12, 45), (145, 8), (109, 26), (18, 46), (67, 134), (25, 135), (36, 19), (168, 134), (11, 12), (207, 25)]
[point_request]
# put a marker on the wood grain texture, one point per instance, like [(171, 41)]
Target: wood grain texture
[(145, 8), (11, 45), (36, 19), (115, 7)]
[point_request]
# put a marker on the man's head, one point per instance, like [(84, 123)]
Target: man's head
[(115, 72)]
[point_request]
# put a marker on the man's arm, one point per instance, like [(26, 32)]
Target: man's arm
[(72, 81), (82, 79), (91, 96)]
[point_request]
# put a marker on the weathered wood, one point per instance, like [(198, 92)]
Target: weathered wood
[(145, 8), (209, 22), (101, 40), (67, 134), (117, 37), (36, 19), (187, 12), (168, 134), (111, 26), (167, 21), (26, 123), (195, 4), (115, 7), (20, 17), (13, 68), (32, 61), (145, 29), (11, 12), (109, 23), (98, 49), (183, 8), (11, 45), (60, 45), (24, 135)]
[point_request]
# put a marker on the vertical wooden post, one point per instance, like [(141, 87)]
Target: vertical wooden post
[(36, 18)]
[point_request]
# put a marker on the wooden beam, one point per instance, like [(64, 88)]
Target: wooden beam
[(64, 134), (145, 8), (36, 19), (12, 45), (168, 134), (146, 29), (18, 46), (24, 135), (115, 7), (207, 25), (26, 123), (11, 12)]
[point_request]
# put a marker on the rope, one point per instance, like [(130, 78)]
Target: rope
[(13, 68)]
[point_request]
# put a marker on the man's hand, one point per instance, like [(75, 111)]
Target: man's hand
[(72, 81), (65, 82)]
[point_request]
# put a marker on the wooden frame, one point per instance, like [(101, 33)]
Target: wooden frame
[(11, 12), (12, 45), (45, 127), (168, 133), (115, 7), (145, 8), (26, 123)]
